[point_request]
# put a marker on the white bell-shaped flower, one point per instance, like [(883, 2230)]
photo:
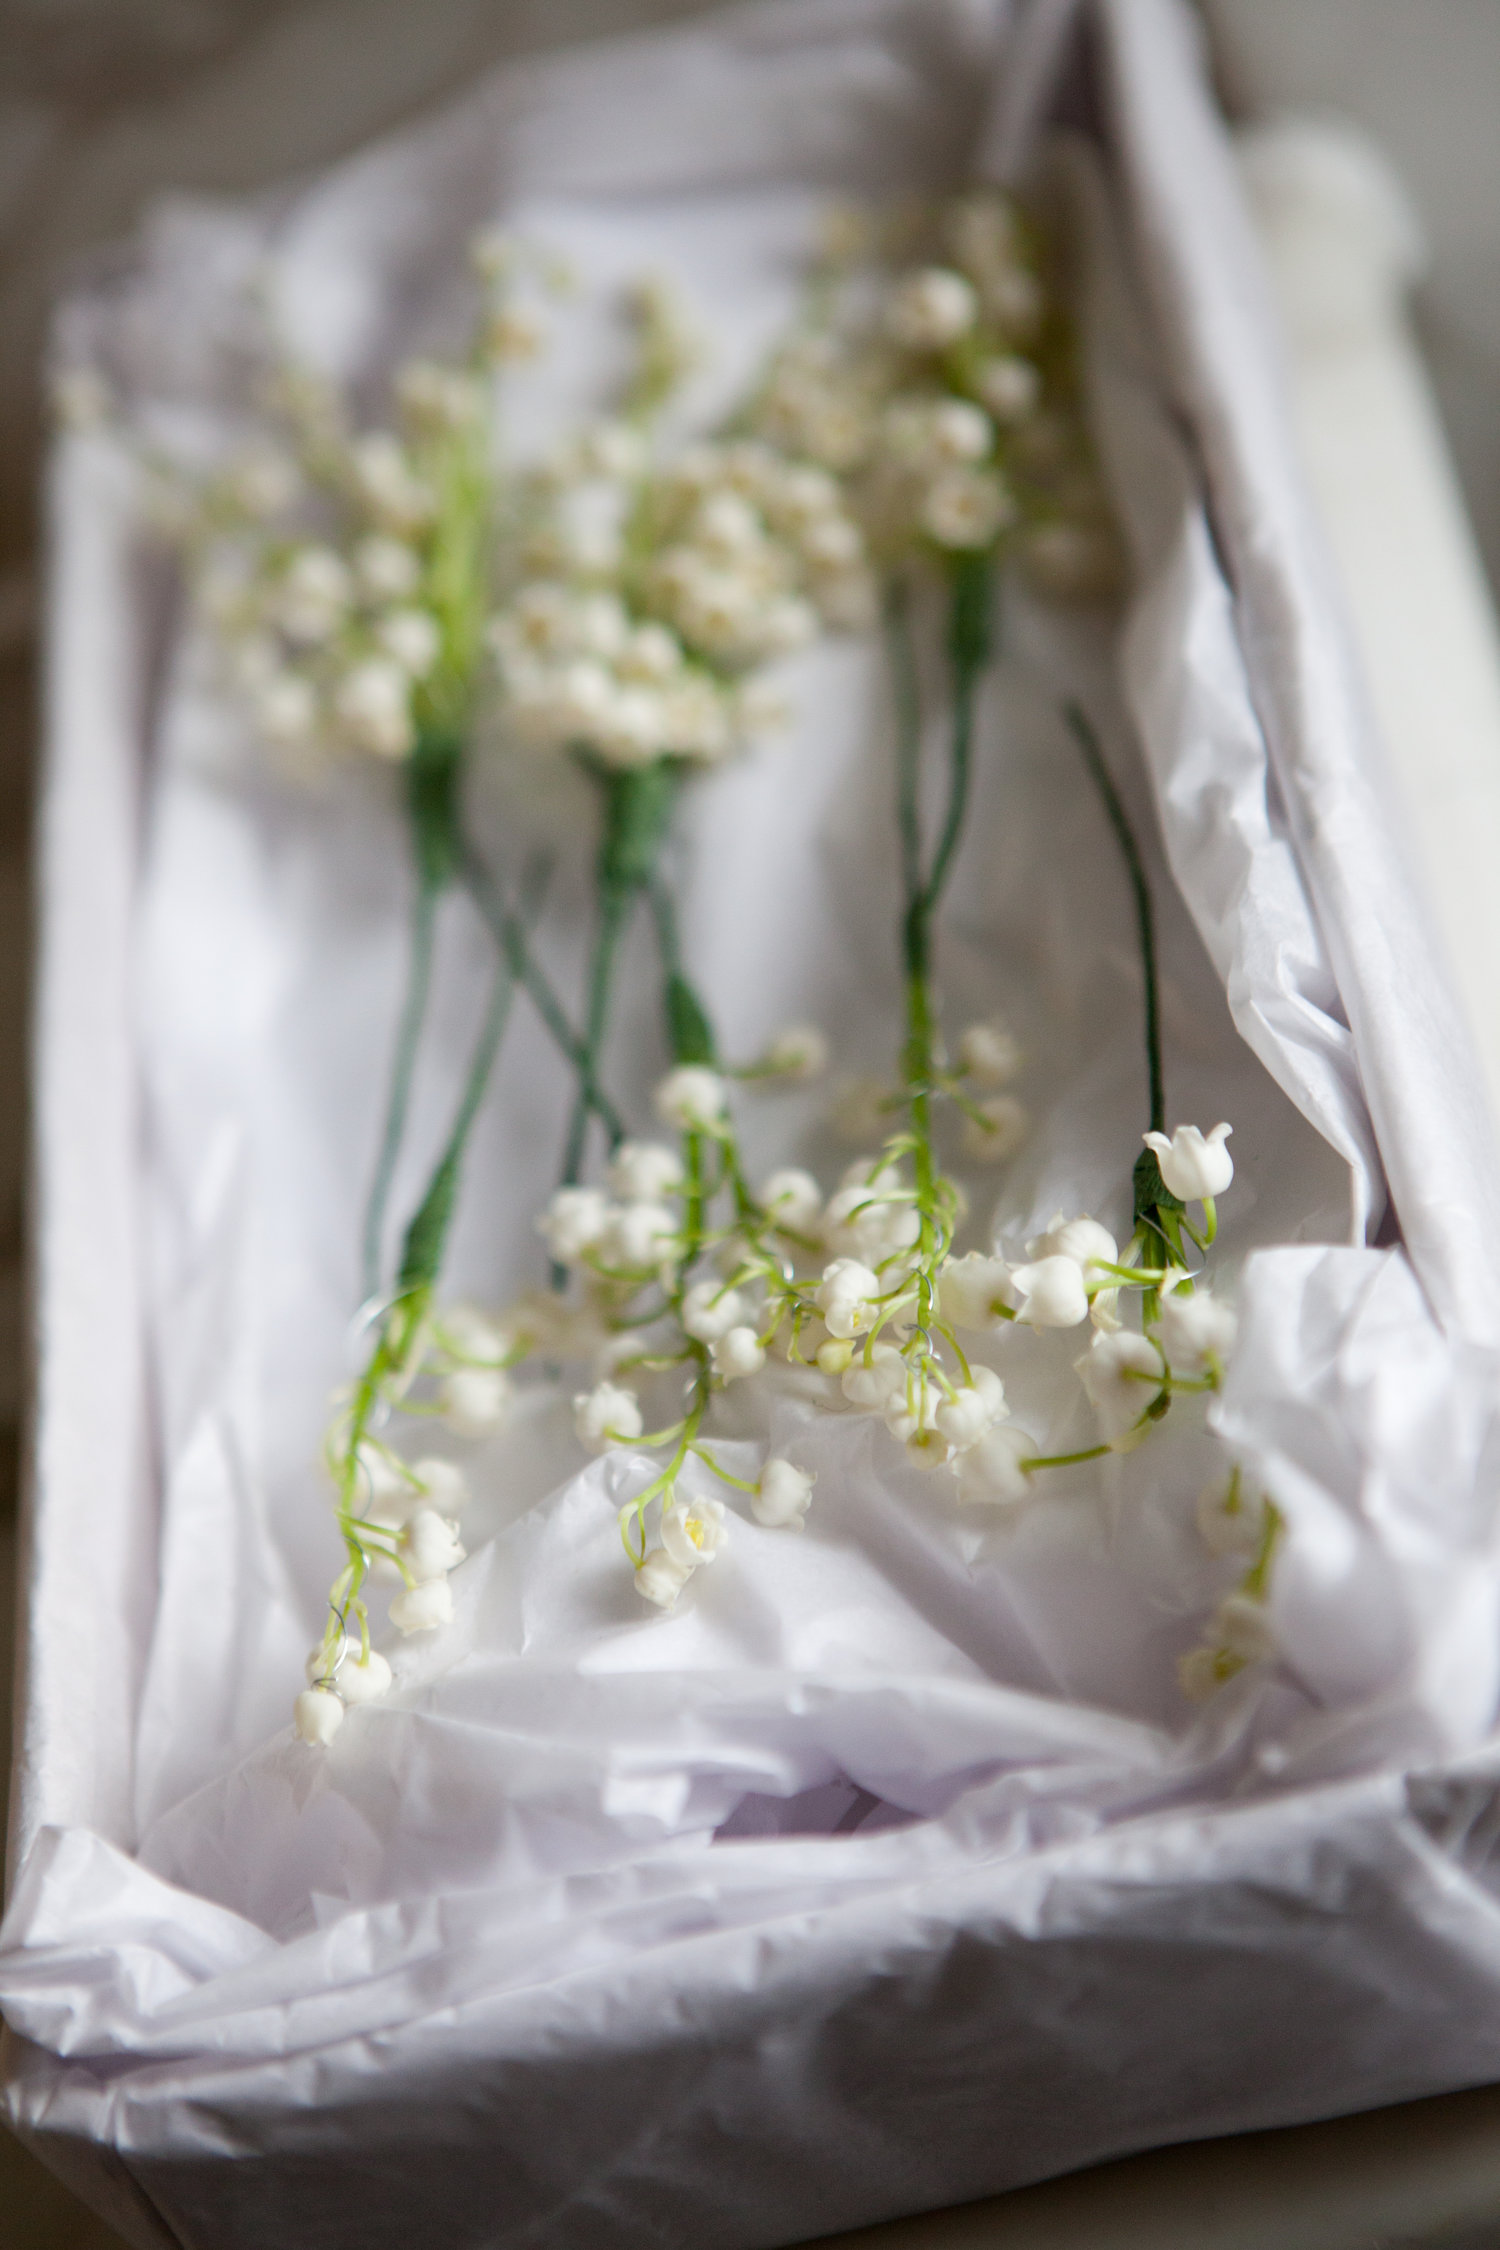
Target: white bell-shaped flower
[(364, 1680), (1050, 1293), (973, 1408), (386, 570), (644, 1171), (472, 1334), (1122, 1373), (976, 1291), (931, 308), (990, 1473), (372, 703), (709, 1310), (475, 1401), (692, 1097), (418, 1609), (1196, 1332), (737, 1353), (800, 1051), (990, 1053), (693, 1531), (1084, 1240), (872, 1382), (410, 637), (846, 1297), (997, 1131), (430, 1545), (781, 1499), (573, 1221), (1193, 1164), (442, 1484), (793, 1199), (637, 1236), (606, 1416), (659, 1579), (317, 1715)]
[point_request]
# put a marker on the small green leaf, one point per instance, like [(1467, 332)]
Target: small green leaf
[(689, 1032), (1151, 1191)]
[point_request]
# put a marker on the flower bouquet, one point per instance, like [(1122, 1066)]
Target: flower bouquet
[(725, 1478)]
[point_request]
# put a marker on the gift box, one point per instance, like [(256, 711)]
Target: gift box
[(893, 1871)]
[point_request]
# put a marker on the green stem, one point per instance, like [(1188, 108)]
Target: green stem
[(1099, 774), (615, 903), (427, 1236), (398, 1101)]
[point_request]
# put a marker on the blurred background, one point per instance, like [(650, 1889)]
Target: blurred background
[(106, 103)]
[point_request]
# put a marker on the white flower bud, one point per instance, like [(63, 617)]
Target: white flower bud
[(573, 1222), (606, 1416), (693, 1531), (384, 480), (313, 595), (372, 704), (1111, 1371), (998, 1131), (386, 570), (873, 1381), (989, 1472), (411, 639), (650, 654), (959, 432), (444, 1485), (364, 1680), (781, 1500), (931, 308), (1010, 387), (637, 1236), (801, 1051), (644, 1171), (1084, 1241), (1051, 1293), (318, 1714), (793, 1199), (692, 1097), (1197, 1333), (964, 1418), (990, 1053), (417, 1609), (471, 1333), (660, 1579), (382, 1480), (475, 1401), (1193, 1164), (430, 1545), (1243, 1626), (737, 1353), (846, 1297), (966, 508), (709, 1310), (972, 1289)]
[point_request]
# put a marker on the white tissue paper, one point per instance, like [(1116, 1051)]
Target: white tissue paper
[(891, 1868)]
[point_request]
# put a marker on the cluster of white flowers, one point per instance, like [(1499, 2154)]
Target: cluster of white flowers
[(653, 591), (943, 396), (1239, 1632)]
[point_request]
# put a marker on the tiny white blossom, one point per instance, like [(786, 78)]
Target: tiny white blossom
[(372, 703), (1197, 1333), (637, 1236), (443, 1483), (318, 1714), (313, 595), (430, 1545), (709, 1310), (644, 1171), (998, 1131), (973, 1408), (693, 1531), (606, 1416), (383, 1477), (912, 1421), (781, 1500), (411, 639), (1243, 1626), (800, 1051), (692, 1097), (737, 1353), (417, 1609), (364, 1681), (475, 1400), (966, 508), (846, 1297), (973, 1289), (1226, 1523), (990, 1053), (931, 308), (659, 1579), (873, 1382), (263, 482), (470, 1333), (1083, 1240), (385, 481), (1052, 1293), (1010, 387), (649, 654), (1193, 1164), (1111, 1371), (793, 1199), (989, 1472), (573, 1222)]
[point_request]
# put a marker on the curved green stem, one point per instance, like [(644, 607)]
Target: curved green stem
[(1119, 820), (398, 1101)]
